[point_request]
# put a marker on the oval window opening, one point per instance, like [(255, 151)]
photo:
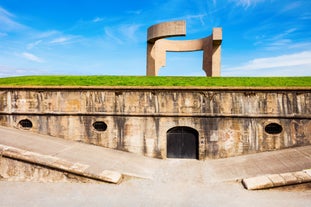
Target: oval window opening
[(25, 123), (100, 126), (273, 128)]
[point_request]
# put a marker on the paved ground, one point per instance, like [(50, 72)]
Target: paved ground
[(170, 182)]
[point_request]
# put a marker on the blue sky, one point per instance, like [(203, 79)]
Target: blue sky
[(98, 37)]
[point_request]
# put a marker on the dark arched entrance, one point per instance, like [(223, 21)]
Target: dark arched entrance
[(182, 142)]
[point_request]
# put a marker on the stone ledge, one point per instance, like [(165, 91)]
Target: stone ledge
[(277, 180), (59, 164), (165, 88)]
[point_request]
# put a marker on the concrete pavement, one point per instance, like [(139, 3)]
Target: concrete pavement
[(170, 182), (98, 159), (78, 158)]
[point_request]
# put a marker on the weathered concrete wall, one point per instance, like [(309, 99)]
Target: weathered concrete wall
[(229, 122), (16, 170)]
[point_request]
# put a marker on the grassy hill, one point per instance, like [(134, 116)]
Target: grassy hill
[(155, 81)]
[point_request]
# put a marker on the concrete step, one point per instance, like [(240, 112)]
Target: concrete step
[(277, 180)]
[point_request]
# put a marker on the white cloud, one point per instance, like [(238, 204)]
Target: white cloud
[(3, 34), (5, 12), (130, 31), (135, 12), (280, 41), (197, 16), (306, 16), (98, 19), (283, 65), (284, 34), (32, 57), (110, 34), (125, 33), (7, 23), (65, 39), (279, 44), (7, 71), (300, 45), (33, 44), (47, 34), (246, 3), (291, 6), (296, 59), (60, 40)]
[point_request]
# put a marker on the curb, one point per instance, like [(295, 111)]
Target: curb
[(277, 180), (59, 164)]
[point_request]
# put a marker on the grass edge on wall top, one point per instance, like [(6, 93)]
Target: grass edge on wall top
[(158, 81)]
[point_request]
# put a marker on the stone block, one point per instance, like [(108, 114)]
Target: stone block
[(38, 158), (308, 171), (62, 165), (111, 176), (79, 167), (277, 180), (255, 183), (302, 176), (289, 178)]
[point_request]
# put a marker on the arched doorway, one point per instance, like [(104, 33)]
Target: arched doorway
[(182, 142)]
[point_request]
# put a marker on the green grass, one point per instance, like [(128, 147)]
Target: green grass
[(155, 81)]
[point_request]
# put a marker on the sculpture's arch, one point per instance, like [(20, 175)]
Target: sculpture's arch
[(157, 47)]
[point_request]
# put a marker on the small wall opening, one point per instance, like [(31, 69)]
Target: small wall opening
[(100, 126), (183, 142), (273, 128), (25, 124)]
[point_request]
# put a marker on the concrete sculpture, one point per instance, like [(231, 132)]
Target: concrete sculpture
[(157, 47)]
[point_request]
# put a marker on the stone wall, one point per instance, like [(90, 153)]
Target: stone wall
[(19, 171), (229, 121)]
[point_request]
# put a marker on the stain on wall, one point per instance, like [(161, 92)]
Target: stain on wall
[(230, 122)]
